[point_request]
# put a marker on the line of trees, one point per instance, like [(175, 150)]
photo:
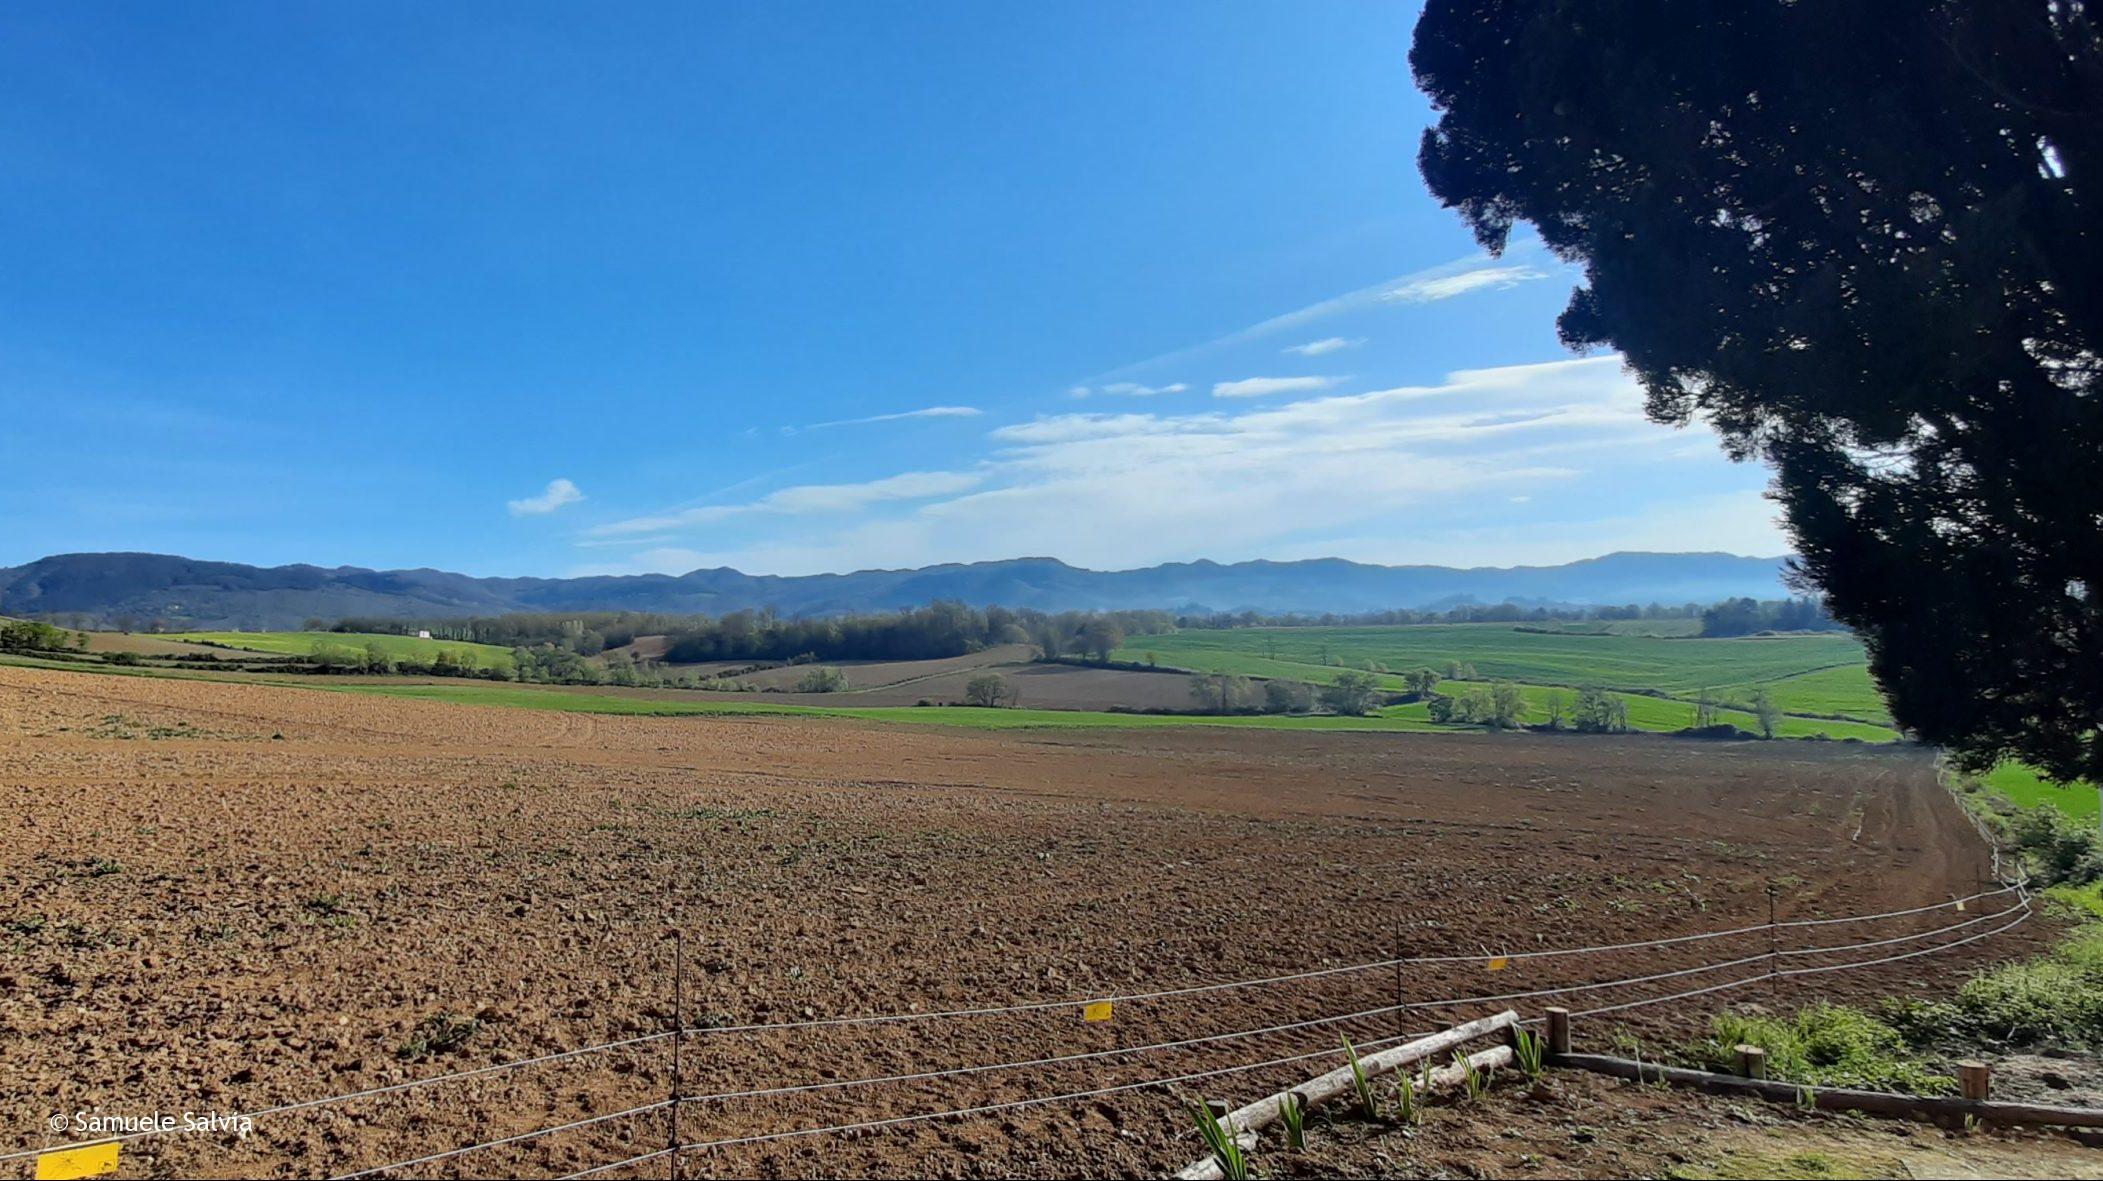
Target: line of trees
[(1744, 617), (1351, 693), (933, 632)]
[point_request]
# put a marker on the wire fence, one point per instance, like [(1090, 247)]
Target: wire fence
[(2022, 909), (1772, 964)]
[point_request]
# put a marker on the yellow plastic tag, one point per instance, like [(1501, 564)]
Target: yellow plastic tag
[(1498, 963), (1096, 1011), (89, 1160), (1960, 904)]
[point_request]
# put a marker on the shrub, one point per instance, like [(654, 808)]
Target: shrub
[(1351, 693), (991, 690), (1599, 712), (822, 680), (2057, 849), (1288, 697), (1223, 693)]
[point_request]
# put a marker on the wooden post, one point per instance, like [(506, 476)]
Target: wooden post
[(1558, 1030), (1975, 1079), (678, 1042), (1752, 1062)]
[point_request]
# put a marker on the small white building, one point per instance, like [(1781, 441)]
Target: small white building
[(425, 634)]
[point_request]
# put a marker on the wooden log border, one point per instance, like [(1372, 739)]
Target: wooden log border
[(1837, 1098), (1243, 1122)]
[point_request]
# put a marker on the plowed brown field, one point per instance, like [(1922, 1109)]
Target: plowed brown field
[(222, 897)]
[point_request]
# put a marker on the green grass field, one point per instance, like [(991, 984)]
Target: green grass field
[(2026, 787), (1663, 715), (1806, 674), (308, 643)]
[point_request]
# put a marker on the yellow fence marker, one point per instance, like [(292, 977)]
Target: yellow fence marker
[(1097, 1011), (1498, 963), (1960, 904), (89, 1160)]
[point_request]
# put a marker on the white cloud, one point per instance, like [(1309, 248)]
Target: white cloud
[(1432, 288), (803, 500), (1129, 389), (924, 412), (1259, 387), (1233, 480), (559, 492), (1323, 347)]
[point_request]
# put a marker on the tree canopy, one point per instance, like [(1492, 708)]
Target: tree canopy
[(1855, 236)]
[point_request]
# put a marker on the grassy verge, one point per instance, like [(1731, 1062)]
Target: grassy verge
[(2023, 785), (2053, 999)]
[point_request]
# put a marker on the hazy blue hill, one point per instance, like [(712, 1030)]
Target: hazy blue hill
[(200, 594)]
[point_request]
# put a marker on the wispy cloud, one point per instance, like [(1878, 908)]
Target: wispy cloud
[(1323, 347), (1129, 389), (1445, 463), (559, 492), (801, 500), (1432, 288), (900, 416), (1260, 387), (1473, 273)]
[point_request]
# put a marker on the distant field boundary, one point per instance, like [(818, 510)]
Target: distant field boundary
[(600, 700)]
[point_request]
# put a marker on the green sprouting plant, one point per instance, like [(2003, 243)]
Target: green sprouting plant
[(1360, 1083), (1292, 1112), (1530, 1052), (1407, 1112), (1233, 1162), (1806, 1099), (440, 1033), (1475, 1079)]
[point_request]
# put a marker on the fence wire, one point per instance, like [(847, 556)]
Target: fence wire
[(1769, 957), (2019, 889)]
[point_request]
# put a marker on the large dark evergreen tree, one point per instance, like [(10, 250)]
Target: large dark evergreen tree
[(1858, 236)]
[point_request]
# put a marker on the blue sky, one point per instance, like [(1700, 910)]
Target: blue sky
[(535, 289)]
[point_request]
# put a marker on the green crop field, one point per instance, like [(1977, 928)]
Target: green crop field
[(308, 643), (1806, 674)]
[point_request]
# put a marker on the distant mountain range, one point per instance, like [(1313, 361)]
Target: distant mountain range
[(136, 589)]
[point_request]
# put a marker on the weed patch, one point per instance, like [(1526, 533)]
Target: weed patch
[(1824, 1045)]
